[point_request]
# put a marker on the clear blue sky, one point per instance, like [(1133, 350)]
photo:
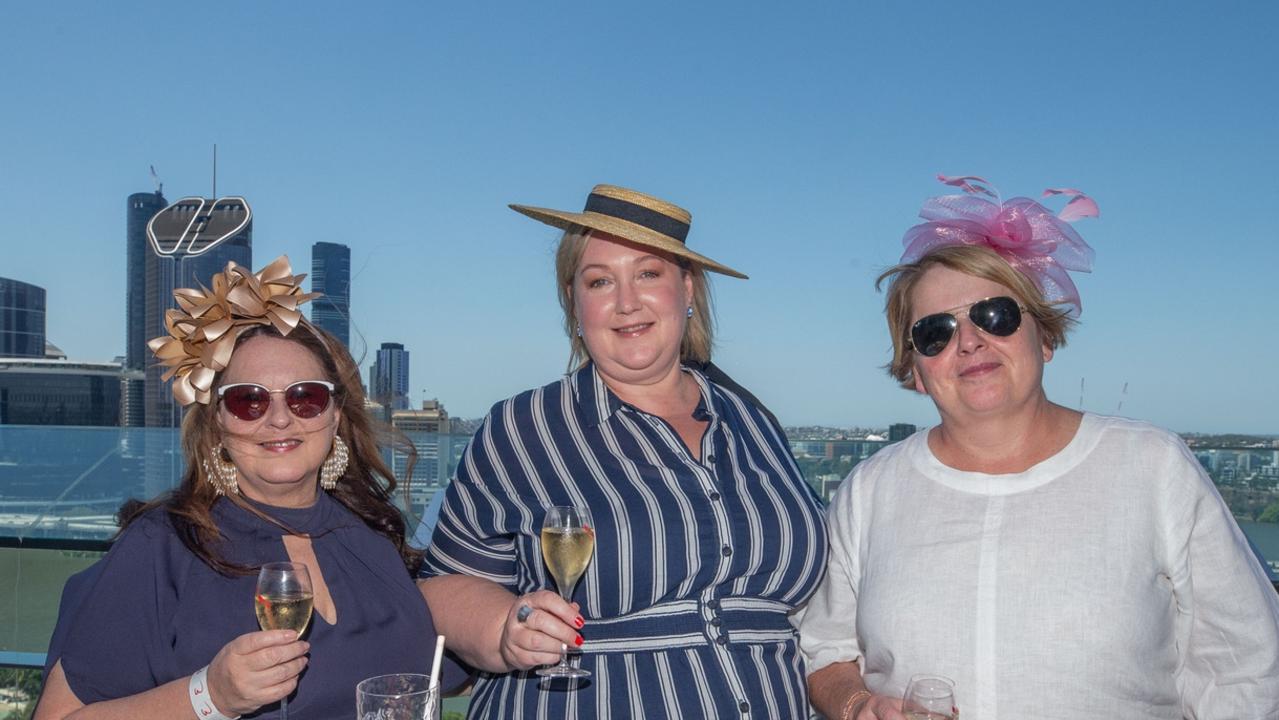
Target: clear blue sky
[(802, 136)]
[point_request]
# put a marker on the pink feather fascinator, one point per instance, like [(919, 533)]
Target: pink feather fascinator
[(1031, 238)]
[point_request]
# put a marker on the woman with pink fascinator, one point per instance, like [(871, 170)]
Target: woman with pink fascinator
[(1051, 563)]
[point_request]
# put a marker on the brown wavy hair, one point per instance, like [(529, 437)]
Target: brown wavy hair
[(366, 489)]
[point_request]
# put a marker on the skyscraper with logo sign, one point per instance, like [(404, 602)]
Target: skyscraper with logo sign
[(188, 242)]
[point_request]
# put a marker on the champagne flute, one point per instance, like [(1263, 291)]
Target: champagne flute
[(930, 697), (568, 540), (283, 602)]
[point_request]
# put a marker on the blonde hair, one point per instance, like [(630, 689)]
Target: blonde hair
[(981, 262), (699, 331)]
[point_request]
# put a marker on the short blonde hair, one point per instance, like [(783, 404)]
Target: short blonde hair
[(699, 331), (1053, 320)]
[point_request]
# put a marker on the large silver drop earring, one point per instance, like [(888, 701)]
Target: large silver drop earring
[(334, 466), (221, 472), (690, 312), (579, 329)]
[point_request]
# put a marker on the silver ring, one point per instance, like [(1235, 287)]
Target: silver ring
[(523, 613)]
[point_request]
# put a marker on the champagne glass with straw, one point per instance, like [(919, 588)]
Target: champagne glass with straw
[(568, 541), (401, 696), (283, 602)]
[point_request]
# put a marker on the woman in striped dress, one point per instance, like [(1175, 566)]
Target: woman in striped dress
[(707, 536)]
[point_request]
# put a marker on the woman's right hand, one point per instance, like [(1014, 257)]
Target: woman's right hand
[(880, 707), (256, 669), (536, 640)]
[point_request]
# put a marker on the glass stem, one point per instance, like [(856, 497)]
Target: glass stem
[(567, 596)]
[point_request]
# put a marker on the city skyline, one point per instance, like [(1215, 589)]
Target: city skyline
[(802, 140)]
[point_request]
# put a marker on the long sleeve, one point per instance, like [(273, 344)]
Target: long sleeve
[(827, 626), (1227, 610)]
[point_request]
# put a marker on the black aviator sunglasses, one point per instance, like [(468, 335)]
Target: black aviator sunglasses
[(998, 316), (250, 401)]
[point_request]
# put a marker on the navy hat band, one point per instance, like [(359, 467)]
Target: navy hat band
[(638, 214)]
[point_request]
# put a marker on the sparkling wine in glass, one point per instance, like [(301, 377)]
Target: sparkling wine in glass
[(568, 540), (930, 697), (283, 602)]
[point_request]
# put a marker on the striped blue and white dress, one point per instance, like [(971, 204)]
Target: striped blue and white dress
[(696, 563)]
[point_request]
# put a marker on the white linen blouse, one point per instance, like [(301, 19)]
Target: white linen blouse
[(1109, 580)]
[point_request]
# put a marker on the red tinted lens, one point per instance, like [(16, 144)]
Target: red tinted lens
[(247, 402), (307, 399)]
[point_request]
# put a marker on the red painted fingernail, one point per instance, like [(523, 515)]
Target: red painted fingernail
[(578, 641), (579, 622)]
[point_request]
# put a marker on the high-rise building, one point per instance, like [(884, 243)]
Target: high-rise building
[(428, 430), (389, 377), (22, 308), (331, 275), (900, 431), (188, 242), (141, 208)]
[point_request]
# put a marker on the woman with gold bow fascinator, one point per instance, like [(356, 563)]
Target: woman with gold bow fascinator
[(1052, 563), (282, 464)]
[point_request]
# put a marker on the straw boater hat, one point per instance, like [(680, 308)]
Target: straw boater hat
[(633, 216)]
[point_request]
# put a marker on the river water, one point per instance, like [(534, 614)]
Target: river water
[(1266, 538)]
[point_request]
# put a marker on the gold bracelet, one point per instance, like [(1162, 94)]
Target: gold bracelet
[(851, 702)]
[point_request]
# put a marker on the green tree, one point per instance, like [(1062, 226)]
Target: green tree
[(20, 684), (1270, 514)]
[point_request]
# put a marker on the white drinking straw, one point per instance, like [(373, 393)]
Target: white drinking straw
[(435, 666)]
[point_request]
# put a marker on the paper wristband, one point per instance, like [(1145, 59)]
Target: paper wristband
[(201, 702)]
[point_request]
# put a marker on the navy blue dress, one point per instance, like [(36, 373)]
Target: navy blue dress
[(150, 612), (697, 564)]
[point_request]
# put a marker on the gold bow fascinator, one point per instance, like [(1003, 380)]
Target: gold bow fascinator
[(207, 322)]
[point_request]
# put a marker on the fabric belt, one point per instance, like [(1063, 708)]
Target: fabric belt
[(691, 623)]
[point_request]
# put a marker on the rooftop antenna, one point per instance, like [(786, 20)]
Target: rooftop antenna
[(159, 186), (215, 171), (1081, 394), (1122, 394)]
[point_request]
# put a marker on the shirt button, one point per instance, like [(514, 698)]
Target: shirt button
[(744, 706), (712, 604), (727, 551), (716, 621), (722, 639), (710, 459), (715, 496)]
